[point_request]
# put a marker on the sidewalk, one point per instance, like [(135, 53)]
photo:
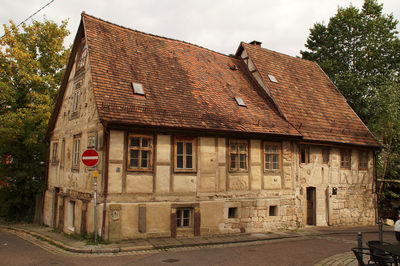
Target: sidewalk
[(46, 235)]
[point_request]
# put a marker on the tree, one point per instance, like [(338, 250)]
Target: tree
[(360, 50), (32, 63)]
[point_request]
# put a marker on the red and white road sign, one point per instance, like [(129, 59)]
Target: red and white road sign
[(90, 157)]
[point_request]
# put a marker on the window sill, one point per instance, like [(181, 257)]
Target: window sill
[(183, 171), (140, 170)]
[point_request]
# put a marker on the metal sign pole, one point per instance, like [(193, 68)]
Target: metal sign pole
[(95, 175)]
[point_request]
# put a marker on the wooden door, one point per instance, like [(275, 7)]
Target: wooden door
[(311, 203)]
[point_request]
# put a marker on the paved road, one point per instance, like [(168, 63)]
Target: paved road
[(303, 251)]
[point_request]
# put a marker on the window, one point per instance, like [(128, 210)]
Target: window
[(272, 156), (304, 154), (71, 215), (137, 88), (363, 160), (62, 155), (238, 155), (76, 102), (345, 159), (185, 151), (232, 212), (273, 210), (183, 217), (54, 158), (76, 151), (140, 152), (325, 155), (81, 58)]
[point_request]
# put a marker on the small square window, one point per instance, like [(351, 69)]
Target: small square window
[(273, 210), (232, 212), (272, 78), (240, 101), (137, 88)]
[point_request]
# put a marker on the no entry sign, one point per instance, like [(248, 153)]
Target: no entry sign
[(90, 157)]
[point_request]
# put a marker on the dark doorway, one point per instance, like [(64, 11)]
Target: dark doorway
[(311, 203)]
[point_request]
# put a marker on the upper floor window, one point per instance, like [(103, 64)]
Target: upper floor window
[(140, 152), (345, 158), (272, 156), (238, 155), (185, 154), (325, 155), (363, 159), (76, 151), (76, 102), (54, 158), (304, 154), (81, 56)]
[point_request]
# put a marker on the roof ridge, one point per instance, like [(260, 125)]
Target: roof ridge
[(153, 35), (280, 53)]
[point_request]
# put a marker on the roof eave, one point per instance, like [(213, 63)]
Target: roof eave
[(63, 86)]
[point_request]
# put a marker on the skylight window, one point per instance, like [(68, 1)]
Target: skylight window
[(240, 101), (137, 88), (272, 78)]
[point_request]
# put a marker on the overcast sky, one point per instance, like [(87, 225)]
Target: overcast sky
[(220, 25)]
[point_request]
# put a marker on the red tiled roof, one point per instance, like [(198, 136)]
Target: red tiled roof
[(186, 86), (308, 99)]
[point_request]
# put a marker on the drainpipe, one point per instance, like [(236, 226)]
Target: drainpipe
[(106, 148)]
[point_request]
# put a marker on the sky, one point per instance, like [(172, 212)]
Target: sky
[(219, 25)]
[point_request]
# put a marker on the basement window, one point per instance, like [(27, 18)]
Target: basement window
[(273, 210), (137, 88), (232, 212), (240, 101), (272, 78)]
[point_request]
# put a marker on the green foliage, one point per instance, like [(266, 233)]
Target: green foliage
[(360, 50), (31, 68)]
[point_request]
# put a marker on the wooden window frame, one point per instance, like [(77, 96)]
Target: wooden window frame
[(360, 164), (81, 57), (140, 149), (307, 153), (75, 103), (54, 152), (180, 217), (279, 153), (185, 140), (76, 149), (238, 153), (328, 151), (345, 164)]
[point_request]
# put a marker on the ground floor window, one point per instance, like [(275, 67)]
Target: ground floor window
[(184, 217), (71, 214)]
